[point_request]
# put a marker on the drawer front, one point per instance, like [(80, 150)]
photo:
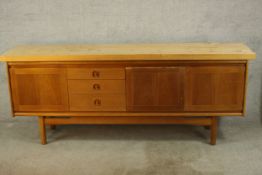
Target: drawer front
[(96, 86), (97, 102), (96, 73)]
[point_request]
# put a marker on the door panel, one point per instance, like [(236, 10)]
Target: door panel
[(39, 89), (154, 88), (215, 88)]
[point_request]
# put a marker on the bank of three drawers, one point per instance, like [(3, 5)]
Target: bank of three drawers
[(96, 89)]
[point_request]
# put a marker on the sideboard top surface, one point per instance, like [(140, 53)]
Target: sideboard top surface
[(129, 52)]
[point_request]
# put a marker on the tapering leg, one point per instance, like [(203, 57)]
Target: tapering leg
[(41, 122), (53, 127), (213, 130)]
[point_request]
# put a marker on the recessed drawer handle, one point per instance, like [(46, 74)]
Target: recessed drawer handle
[(97, 102), (96, 87), (95, 74)]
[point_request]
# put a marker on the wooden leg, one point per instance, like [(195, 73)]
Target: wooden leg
[(41, 122), (213, 131), (53, 127)]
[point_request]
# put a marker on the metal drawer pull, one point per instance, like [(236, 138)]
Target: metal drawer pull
[(95, 74), (97, 102), (96, 87)]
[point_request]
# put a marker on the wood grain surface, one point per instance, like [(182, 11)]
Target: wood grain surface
[(114, 52)]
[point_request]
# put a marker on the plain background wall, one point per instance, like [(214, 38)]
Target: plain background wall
[(135, 21)]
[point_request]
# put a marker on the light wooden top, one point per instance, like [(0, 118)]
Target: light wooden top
[(130, 52)]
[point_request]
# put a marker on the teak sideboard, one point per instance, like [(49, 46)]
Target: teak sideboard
[(185, 83)]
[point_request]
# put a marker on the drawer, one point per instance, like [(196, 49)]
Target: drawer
[(97, 102), (96, 73), (96, 86)]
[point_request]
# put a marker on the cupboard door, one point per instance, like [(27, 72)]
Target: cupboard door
[(154, 88), (39, 89), (215, 88)]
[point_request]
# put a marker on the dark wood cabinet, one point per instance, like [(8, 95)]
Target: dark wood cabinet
[(39, 89), (188, 88), (155, 88), (132, 93), (185, 83)]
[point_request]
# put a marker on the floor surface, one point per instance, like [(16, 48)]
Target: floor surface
[(129, 150)]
